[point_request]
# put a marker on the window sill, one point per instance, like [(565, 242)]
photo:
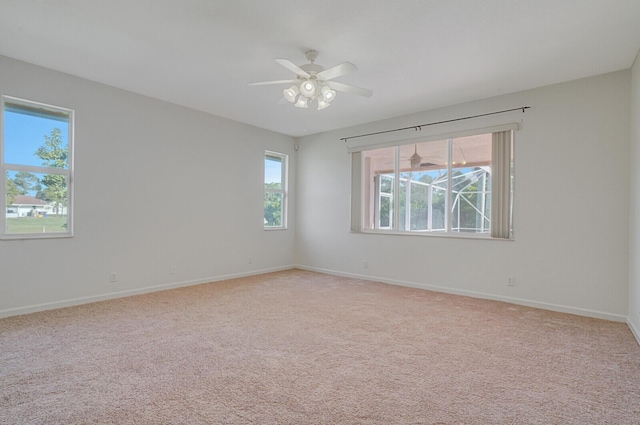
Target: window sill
[(274, 228), (476, 236), (37, 236)]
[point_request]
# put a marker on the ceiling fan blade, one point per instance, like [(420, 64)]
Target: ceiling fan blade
[(349, 88), (293, 67), (266, 83), (336, 71)]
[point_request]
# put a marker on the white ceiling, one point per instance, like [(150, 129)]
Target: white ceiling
[(414, 54)]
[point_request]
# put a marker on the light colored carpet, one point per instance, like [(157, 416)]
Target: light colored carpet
[(297, 347)]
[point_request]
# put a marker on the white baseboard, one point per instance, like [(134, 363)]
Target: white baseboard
[(635, 331), (535, 304), (112, 295)]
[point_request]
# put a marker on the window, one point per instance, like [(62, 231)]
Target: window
[(36, 164), (275, 190), (453, 186)]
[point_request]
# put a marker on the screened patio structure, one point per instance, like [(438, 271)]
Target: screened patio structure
[(413, 187)]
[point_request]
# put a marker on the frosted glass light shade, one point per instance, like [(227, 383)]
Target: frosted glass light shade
[(291, 93), (322, 103), (308, 88), (327, 93), (302, 102)]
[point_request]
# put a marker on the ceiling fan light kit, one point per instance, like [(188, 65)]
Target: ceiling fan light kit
[(322, 104), (312, 82), (308, 90), (416, 160), (328, 93), (303, 102), (291, 93)]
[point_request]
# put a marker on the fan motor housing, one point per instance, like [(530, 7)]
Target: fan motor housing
[(312, 68)]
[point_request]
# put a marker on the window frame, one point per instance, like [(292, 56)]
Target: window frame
[(360, 187), (283, 191), (67, 172)]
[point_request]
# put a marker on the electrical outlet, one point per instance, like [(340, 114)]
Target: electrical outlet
[(172, 270), (113, 277), (511, 281), (365, 264), (250, 260)]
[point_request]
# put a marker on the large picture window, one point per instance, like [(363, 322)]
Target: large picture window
[(36, 170), (275, 190), (457, 185)]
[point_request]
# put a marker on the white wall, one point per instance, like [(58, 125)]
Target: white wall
[(571, 209), (142, 168), (634, 210)]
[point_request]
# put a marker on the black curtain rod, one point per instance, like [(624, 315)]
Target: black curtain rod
[(419, 127)]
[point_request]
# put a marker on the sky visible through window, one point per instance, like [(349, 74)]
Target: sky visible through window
[(272, 170), (24, 134)]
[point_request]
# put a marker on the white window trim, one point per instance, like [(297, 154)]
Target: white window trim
[(283, 191), (358, 187), (67, 172)]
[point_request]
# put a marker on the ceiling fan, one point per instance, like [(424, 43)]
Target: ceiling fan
[(415, 160), (313, 82)]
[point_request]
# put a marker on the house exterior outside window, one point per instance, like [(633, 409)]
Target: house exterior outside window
[(36, 170)]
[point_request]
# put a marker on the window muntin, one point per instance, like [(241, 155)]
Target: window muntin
[(275, 190), (36, 170), (442, 186)]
